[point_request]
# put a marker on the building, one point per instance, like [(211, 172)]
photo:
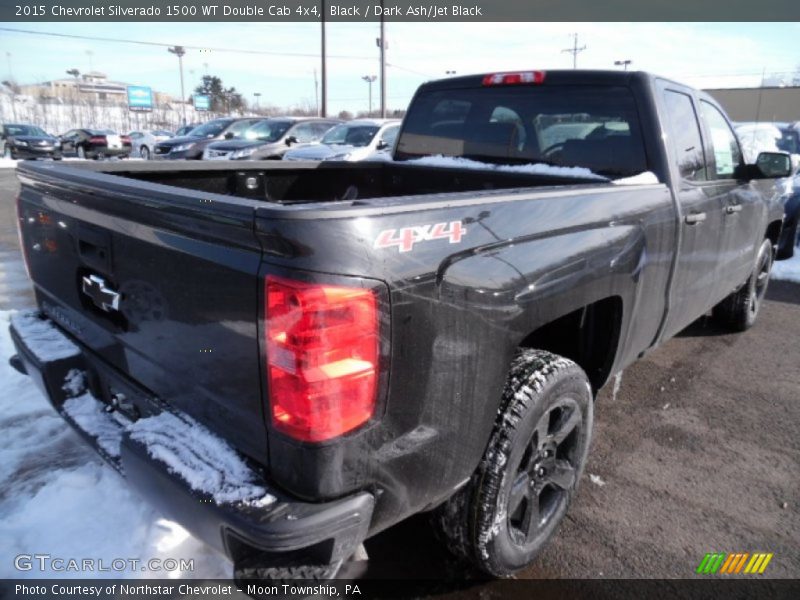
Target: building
[(781, 104), (92, 87)]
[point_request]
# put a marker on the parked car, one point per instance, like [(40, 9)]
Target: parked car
[(755, 137), (769, 137), (351, 141), (391, 338), (186, 129), (27, 141), (192, 145), (144, 142), (95, 143), (271, 138)]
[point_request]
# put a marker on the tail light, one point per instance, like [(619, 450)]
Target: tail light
[(22, 248), (97, 139), (517, 78), (126, 139), (323, 352)]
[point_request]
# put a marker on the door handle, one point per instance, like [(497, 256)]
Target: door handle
[(695, 218), (732, 209)]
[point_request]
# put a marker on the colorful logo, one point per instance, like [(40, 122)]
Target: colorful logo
[(734, 563)]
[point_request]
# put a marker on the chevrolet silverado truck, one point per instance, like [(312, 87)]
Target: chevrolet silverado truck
[(288, 358)]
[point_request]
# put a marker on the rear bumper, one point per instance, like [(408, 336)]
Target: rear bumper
[(284, 530)]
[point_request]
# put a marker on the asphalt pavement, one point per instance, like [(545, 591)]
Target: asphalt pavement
[(697, 451)]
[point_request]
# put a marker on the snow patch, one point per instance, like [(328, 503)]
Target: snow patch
[(204, 461), (74, 383), (8, 163), (456, 162), (90, 415), (45, 341), (617, 385), (646, 178), (596, 479), (787, 270)]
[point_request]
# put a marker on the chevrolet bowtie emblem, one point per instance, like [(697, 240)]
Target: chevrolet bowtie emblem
[(102, 296)]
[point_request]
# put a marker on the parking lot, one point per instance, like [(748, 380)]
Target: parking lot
[(696, 450)]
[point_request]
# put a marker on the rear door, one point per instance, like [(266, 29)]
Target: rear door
[(700, 228)]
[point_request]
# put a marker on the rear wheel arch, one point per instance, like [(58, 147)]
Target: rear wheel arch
[(588, 335)]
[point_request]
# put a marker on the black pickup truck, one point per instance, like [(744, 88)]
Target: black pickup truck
[(288, 358)]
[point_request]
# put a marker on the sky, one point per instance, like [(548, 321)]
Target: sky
[(705, 55)]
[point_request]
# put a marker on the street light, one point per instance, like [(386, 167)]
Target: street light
[(257, 95), (623, 63), (449, 73), (179, 51), (370, 79)]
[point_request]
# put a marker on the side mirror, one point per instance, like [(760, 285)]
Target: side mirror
[(291, 140), (774, 164), (229, 135), (382, 145)]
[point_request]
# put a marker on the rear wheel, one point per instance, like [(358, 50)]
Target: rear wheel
[(144, 152), (738, 311), (520, 492)]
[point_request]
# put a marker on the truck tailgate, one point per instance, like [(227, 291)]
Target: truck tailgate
[(160, 282)]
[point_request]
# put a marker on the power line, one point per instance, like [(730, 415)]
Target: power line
[(190, 47)]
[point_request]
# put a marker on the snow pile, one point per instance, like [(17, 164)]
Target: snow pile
[(788, 270), (457, 162), (45, 341), (57, 496), (204, 461), (8, 163)]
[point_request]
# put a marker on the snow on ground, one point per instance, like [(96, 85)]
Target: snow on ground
[(7, 163), (788, 270), (57, 497)]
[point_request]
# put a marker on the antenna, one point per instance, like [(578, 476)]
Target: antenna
[(575, 50)]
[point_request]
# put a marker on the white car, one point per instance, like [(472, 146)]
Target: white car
[(352, 141), (143, 142)]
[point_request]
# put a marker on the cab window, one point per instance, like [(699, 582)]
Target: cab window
[(727, 154)]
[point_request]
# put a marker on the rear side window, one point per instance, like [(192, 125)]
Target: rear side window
[(596, 127), (727, 155), (685, 134)]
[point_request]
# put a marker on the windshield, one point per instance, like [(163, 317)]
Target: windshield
[(160, 132), (267, 131), (211, 129), (595, 127), (100, 132), (351, 135), (24, 130)]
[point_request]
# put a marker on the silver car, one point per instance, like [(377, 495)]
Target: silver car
[(143, 142), (352, 141)]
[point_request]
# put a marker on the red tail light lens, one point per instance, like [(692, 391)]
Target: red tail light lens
[(126, 139), (322, 357), (517, 78)]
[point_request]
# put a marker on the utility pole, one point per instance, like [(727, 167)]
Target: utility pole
[(257, 96), (316, 91), (324, 103), (575, 50), (370, 79), (383, 46), (10, 70), (179, 51), (623, 63)]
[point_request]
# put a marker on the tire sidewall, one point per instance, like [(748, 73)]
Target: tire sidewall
[(766, 248), (495, 546)]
